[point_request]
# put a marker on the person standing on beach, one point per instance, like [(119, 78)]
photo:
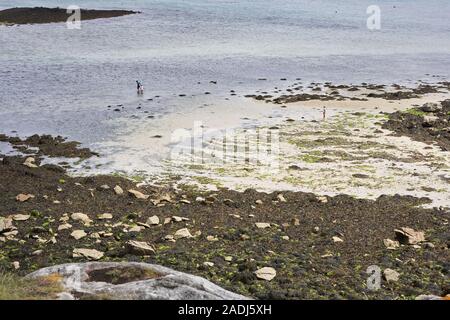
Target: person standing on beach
[(324, 113)]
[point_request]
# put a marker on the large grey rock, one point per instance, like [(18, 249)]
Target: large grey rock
[(90, 280)]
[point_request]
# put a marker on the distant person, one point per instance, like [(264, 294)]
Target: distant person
[(324, 113), (140, 88)]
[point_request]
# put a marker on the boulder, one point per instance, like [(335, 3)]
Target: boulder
[(409, 236), (132, 281)]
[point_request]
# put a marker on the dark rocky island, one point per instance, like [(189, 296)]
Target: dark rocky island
[(48, 15)]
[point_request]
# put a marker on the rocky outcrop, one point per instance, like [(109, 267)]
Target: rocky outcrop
[(131, 281)]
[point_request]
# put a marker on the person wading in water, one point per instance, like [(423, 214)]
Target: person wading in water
[(140, 88)]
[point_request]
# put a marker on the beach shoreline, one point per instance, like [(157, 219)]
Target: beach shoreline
[(320, 243)]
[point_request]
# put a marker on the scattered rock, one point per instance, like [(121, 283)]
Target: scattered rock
[(118, 190), (37, 252), (212, 238), (259, 201), (5, 224), (262, 225), (322, 199), (281, 198), (182, 233), (78, 234), (409, 236), (84, 218), (179, 219), (167, 220), (140, 248), (200, 200), (138, 195), (208, 264), (170, 238), (153, 220), (391, 244), (105, 216), (24, 197), (266, 273), (90, 254), (337, 239), (245, 237), (391, 275), (64, 226), (16, 265), (21, 217), (228, 258), (30, 162), (136, 229), (285, 238)]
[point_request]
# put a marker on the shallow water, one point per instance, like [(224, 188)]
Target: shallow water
[(59, 81)]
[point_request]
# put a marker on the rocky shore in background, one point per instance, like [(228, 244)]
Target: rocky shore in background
[(429, 123), (283, 245), (47, 15), (298, 92)]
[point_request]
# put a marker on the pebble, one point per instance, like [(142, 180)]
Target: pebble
[(24, 197), (118, 190), (262, 225), (105, 216), (138, 194)]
